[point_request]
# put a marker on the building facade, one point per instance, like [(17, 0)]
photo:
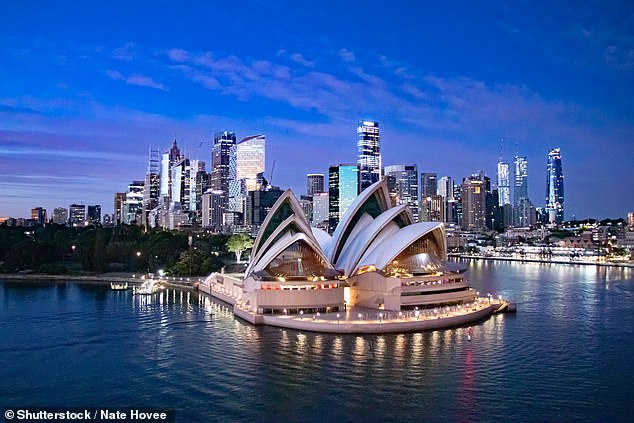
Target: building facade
[(368, 154), (554, 187), (405, 186), (220, 162), (247, 159), (314, 183), (343, 188)]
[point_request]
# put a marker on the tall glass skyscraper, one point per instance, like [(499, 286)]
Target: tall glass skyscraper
[(554, 187), (246, 161), (220, 156), (504, 184), (522, 207), (343, 188), (369, 154)]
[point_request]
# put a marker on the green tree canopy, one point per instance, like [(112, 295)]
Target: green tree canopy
[(238, 243)]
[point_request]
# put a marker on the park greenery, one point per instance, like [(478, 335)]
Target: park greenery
[(238, 243), (58, 249)]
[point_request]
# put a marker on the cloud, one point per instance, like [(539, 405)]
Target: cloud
[(127, 53), (346, 55), (178, 55), (144, 81), (298, 58), (135, 79)]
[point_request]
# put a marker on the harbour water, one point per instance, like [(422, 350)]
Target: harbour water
[(566, 355)]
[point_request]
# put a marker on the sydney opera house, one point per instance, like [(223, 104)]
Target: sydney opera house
[(377, 258)]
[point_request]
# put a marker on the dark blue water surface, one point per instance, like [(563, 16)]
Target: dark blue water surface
[(568, 354)]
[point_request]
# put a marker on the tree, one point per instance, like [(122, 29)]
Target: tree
[(237, 243)]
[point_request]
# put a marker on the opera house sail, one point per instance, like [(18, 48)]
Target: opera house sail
[(377, 258)]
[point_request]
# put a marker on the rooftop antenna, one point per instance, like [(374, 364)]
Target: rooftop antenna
[(272, 170)]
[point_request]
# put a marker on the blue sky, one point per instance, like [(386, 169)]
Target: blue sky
[(88, 87)]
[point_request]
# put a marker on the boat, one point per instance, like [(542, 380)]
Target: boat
[(118, 286), (147, 288)]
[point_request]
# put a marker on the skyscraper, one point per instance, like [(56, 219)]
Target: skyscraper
[(315, 183), (320, 210), (428, 188), (151, 187), (405, 185), (523, 209), (119, 201), (132, 208), (446, 191), (220, 157), (246, 161), (503, 181), (211, 213), (473, 202), (168, 159), (369, 154), (343, 188), (555, 187)]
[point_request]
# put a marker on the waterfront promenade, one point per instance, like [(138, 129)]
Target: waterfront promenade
[(538, 260), (364, 320)]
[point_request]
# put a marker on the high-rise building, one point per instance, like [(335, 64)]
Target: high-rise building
[(555, 187), (446, 191), (132, 208), (523, 210), (38, 215), (200, 182), (404, 188), (246, 161), (77, 215), (151, 186), (169, 158), (94, 214), (60, 216), (320, 210), (343, 188), (306, 202), (436, 208), (504, 184), (220, 162), (315, 183), (259, 203), (119, 201), (212, 217), (369, 154), (473, 195), (428, 188), (181, 185), (630, 220)]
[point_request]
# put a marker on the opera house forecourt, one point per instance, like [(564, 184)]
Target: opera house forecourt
[(379, 272)]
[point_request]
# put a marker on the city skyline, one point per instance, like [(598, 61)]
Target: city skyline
[(82, 104)]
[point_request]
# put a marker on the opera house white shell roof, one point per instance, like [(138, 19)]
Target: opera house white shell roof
[(371, 236)]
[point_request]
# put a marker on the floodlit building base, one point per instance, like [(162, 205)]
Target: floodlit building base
[(355, 319)]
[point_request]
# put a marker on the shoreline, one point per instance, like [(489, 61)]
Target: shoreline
[(531, 260), (103, 279)]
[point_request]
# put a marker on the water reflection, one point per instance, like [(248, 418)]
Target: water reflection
[(564, 353)]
